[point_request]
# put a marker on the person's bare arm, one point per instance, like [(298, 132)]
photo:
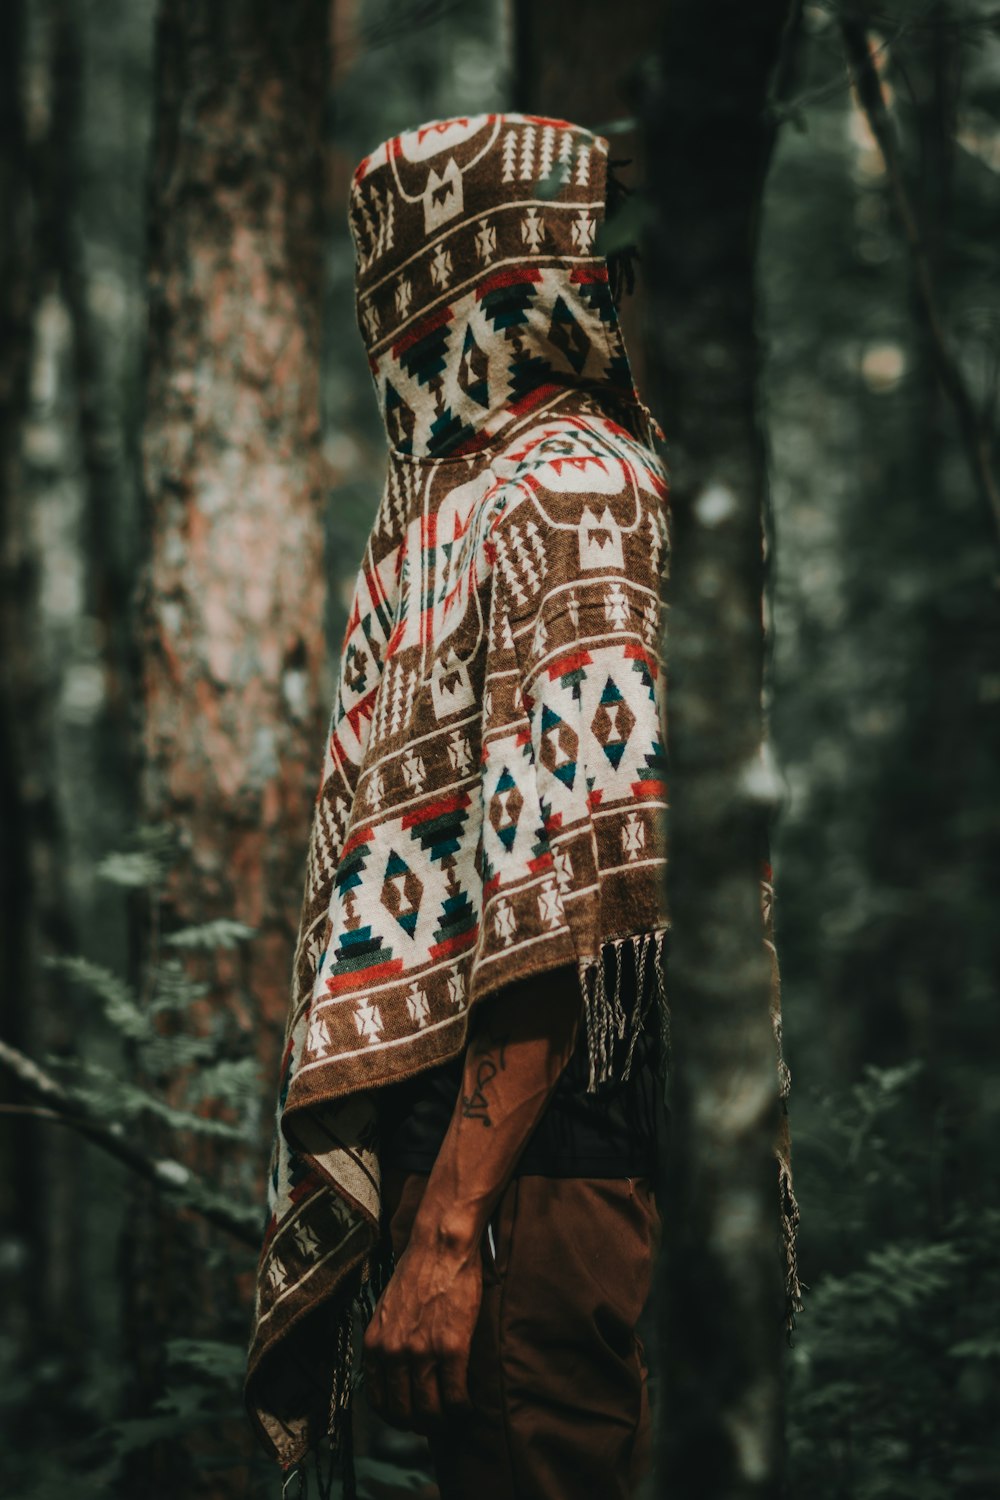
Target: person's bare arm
[(417, 1344)]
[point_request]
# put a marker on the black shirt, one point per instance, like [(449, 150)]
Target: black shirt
[(615, 1132)]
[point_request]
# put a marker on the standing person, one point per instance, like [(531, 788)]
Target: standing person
[(472, 1079)]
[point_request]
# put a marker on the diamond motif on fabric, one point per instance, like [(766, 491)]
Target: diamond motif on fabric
[(560, 747), (612, 723), (505, 809), (402, 890)]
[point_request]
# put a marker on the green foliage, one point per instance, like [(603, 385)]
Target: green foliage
[(894, 1373), (170, 1071), (166, 1055), (198, 1400), (145, 867), (183, 1074), (202, 1065), (203, 1375), (211, 936)]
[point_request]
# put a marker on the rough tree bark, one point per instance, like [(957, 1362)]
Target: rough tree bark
[(234, 691), (709, 134), (233, 470)]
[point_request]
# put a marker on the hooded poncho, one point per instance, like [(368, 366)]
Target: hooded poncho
[(493, 794)]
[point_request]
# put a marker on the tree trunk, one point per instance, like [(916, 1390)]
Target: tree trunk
[(235, 695), (709, 134), (234, 652), (18, 629), (581, 60), (39, 493)]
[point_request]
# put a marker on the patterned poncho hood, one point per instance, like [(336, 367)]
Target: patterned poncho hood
[(492, 799)]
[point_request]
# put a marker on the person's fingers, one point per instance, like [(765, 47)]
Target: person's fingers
[(399, 1400), (453, 1379), (426, 1391), (375, 1388)]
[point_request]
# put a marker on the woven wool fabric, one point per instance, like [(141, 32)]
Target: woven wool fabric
[(493, 794)]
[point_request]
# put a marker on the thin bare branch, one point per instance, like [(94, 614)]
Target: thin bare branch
[(167, 1176), (976, 436), (35, 1111)]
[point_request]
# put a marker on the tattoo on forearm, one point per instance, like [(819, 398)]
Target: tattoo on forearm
[(476, 1106)]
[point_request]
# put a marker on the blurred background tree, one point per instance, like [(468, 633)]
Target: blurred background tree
[(883, 689)]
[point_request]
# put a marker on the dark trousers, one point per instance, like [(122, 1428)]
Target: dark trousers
[(557, 1376)]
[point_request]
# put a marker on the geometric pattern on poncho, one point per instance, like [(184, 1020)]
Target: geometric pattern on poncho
[(493, 791)]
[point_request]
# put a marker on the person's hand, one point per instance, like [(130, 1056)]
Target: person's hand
[(417, 1344)]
